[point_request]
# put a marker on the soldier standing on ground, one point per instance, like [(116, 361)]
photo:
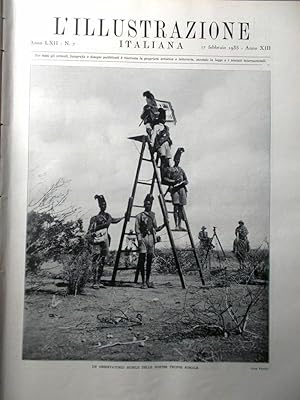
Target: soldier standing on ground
[(203, 239), (241, 244), (99, 238), (145, 229), (205, 246)]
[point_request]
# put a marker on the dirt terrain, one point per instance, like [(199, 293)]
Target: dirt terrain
[(128, 323)]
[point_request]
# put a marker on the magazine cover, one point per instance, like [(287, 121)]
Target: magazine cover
[(144, 236), (84, 154)]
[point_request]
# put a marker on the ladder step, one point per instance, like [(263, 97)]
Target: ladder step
[(144, 183), (176, 230), (131, 251), (168, 201), (133, 216), (147, 159), (136, 205), (126, 269), (170, 212)]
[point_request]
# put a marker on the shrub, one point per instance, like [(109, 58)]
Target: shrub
[(49, 238), (164, 261), (76, 271), (258, 261)]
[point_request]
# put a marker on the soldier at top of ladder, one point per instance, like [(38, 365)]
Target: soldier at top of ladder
[(154, 119)]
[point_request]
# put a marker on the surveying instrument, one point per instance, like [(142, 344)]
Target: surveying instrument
[(206, 261)]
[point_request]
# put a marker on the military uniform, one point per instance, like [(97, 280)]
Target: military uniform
[(145, 228), (241, 232), (241, 244), (179, 195), (100, 240), (203, 237)]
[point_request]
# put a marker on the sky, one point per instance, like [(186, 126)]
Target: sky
[(81, 118)]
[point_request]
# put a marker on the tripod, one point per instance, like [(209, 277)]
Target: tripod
[(210, 247)]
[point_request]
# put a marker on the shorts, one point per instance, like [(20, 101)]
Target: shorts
[(179, 197), (165, 150), (147, 245), (100, 250)]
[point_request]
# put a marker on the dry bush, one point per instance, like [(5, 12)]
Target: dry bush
[(76, 271), (224, 311), (164, 261), (258, 261), (256, 268)]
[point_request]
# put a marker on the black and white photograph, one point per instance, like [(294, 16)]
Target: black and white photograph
[(148, 215)]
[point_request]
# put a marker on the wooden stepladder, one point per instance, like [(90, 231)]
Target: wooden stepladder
[(163, 205)]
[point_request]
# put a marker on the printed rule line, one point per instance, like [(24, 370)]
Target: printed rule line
[(157, 62), (149, 55)]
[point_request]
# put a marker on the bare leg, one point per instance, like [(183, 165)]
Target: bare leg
[(101, 267), (148, 269), (163, 167), (180, 217), (148, 130), (95, 273), (140, 268), (176, 216), (95, 266)]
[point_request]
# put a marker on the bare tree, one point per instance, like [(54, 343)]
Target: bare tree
[(53, 225), (53, 201)]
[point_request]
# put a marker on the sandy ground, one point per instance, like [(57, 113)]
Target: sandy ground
[(134, 324)]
